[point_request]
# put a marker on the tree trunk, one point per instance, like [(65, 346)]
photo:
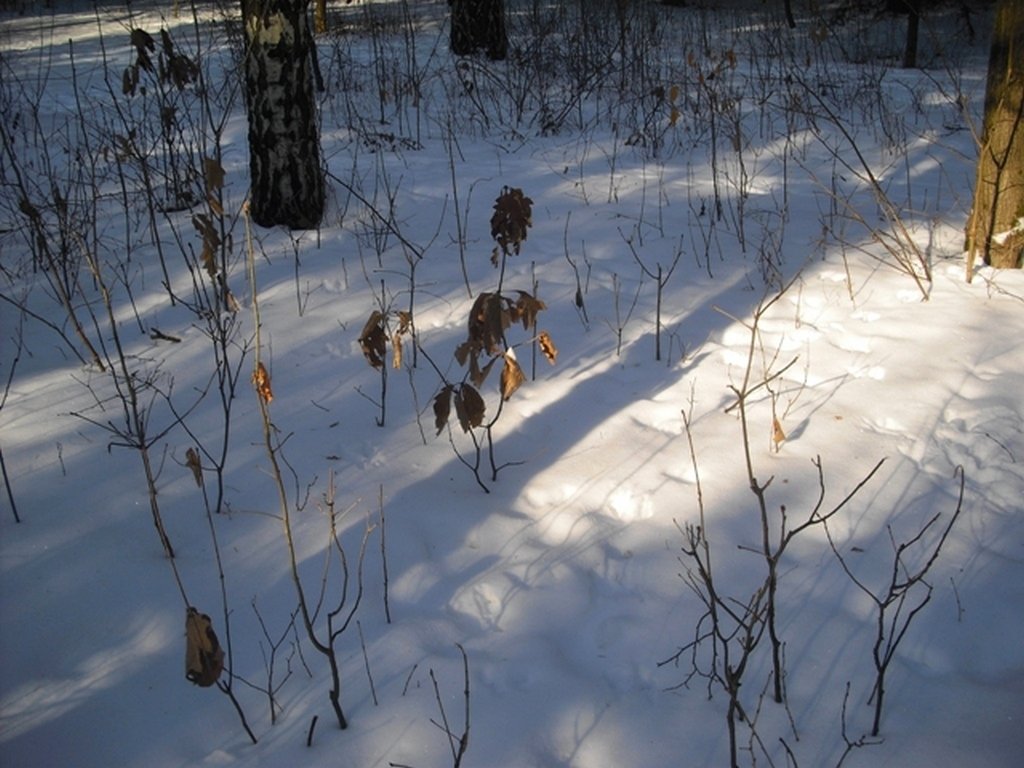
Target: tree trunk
[(287, 182), (790, 19), (995, 227), (913, 11), (479, 25)]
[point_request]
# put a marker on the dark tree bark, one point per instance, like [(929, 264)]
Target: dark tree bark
[(913, 11), (790, 19), (287, 181), (993, 228), (479, 25)]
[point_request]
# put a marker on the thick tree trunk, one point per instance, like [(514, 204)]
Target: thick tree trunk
[(913, 10), (995, 228), (479, 25), (287, 183)]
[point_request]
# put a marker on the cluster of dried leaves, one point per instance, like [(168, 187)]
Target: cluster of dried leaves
[(376, 334), (491, 316), (512, 216), (172, 66)]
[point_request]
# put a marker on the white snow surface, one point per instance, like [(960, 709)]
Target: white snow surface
[(563, 583)]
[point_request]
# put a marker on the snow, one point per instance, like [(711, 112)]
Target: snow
[(563, 582)]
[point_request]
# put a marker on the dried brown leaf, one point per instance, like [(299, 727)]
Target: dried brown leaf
[(469, 407), (479, 375), (211, 242), (512, 376), (442, 408), (261, 380), (204, 658), (488, 320), (463, 352), (526, 309), (193, 463), (778, 435), (547, 346), (404, 322), (396, 351), (373, 340)]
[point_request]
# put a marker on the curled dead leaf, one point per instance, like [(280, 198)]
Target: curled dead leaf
[(204, 658), (373, 340), (396, 351), (261, 380), (778, 435), (193, 463), (547, 346), (512, 376)]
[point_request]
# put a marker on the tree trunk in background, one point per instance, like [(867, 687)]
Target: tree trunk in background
[(913, 11), (995, 227), (479, 25), (790, 19), (287, 182)]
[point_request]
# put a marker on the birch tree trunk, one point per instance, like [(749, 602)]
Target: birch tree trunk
[(287, 182), (995, 228)]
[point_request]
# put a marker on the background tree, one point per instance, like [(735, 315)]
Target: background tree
[(994, 227), (479, 25), (287, 182)]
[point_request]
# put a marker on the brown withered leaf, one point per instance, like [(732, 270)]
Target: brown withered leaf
[(442, 408), (488, 320), (404, 322), (144, 45), (526, 309), (193, 463), (778, 435), (404, 327), (211, 242), (463, 352), (396, 351), (547, 346), (512, 376), (261, 380), (469, 407), (204, 658), (213, 176), (373, 340), (479, 375)]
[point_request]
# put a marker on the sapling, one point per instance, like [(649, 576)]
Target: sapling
[(620, 322), (384, 326), (661, 276), (458, 743), (270, 648), (904, 594), (493, 313), (582, 285), (338, 616)]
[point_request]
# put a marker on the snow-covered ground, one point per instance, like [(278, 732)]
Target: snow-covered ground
[(564, 583)]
